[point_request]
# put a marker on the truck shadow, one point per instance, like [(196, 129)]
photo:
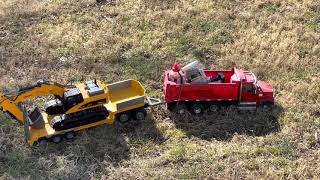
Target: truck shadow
[(145, 131), (223, 125)]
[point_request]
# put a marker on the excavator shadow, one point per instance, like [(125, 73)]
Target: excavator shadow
[(88, 154), (99, 148), (223, 125), (92, 147)]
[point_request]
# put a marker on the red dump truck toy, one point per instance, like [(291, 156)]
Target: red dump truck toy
[(191, 88)]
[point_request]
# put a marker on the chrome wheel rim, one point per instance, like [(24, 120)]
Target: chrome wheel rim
[(213, 108), (124, 118), (69, 135), (181, 111), (197, 110), (56, 139), (140, 115)]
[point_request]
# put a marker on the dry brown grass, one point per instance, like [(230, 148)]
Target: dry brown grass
[(79, 40)]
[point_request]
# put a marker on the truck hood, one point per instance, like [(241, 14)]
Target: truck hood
[(265, 87)]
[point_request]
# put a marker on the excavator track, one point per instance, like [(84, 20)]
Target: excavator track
[(68, 121)]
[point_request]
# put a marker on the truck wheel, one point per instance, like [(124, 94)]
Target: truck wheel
[(180, 108), (197, 108), (214, 108), (124, 117), (57, 139), (267, 107), (139, 114), (70, 135), (232, 109)]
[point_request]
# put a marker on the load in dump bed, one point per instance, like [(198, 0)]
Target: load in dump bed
[(192, 88), (75, 108)]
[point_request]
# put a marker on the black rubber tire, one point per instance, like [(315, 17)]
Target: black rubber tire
[(42, 141), (139, 114), (267, 106), (214, 108), (124, 117), (232, 109), (180, 108), (197, 108), (56, 139), (69, 135)]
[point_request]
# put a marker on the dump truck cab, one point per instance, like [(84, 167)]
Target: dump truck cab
[(253, 92)]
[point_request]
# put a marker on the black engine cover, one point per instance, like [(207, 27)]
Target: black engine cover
[(54, 107)]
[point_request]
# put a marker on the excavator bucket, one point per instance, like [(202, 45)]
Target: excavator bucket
[(36, 119)]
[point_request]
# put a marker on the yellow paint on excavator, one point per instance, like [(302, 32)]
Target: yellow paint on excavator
[(120, 97)]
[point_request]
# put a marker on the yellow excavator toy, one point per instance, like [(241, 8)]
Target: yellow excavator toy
[(75, 108)]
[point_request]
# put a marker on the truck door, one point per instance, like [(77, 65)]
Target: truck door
[(249, 94)]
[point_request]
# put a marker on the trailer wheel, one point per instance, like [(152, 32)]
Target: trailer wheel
[(57, 139), (42, 141), (124, 117), (180, 108), (139, 114), (197, 108), (70, 135)]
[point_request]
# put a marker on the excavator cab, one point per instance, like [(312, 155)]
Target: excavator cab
[(72, 98), (58, 106)]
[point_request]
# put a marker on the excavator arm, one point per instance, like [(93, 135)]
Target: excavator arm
[(10, 102)]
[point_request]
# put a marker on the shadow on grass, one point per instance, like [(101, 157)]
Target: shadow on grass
[(144, 131), (84, 157), (91, 154), (223, 125)]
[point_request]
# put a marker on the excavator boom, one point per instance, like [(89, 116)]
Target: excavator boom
[(10, 102)]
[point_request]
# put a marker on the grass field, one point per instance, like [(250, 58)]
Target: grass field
[(66, 40)]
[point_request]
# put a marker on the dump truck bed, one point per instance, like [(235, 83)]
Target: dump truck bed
[(227, 91)]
